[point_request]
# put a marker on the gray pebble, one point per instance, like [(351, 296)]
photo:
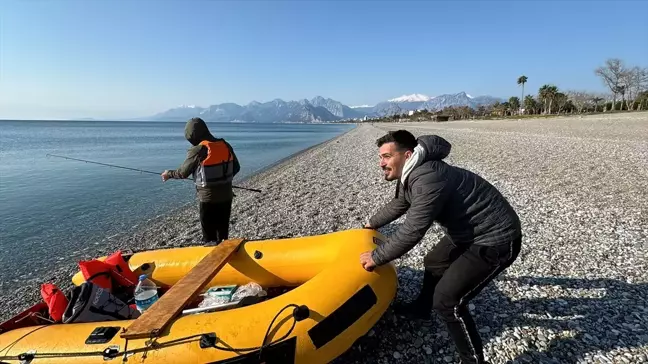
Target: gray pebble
[(578, 186)]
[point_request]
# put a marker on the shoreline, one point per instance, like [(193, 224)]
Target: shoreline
[(584, 214), (242, 182), (61, 274), (294, 155)]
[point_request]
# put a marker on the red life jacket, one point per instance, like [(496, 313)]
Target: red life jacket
[(97, 272), (121, 272), (55, 300), (103, 273)]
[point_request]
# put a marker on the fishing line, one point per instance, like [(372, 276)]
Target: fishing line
[(134, 169)]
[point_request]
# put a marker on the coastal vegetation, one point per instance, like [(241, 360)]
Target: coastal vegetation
[(627, 90)]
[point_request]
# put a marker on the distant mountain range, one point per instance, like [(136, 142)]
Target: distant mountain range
[(319, 109)]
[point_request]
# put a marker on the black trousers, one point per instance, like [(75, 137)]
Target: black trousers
[(453, 276), (214, 220)]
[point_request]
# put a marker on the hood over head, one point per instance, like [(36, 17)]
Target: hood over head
[(436, 148), (428, 148), (196, 131)]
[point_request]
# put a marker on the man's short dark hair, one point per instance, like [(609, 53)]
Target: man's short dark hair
[(403, 139)]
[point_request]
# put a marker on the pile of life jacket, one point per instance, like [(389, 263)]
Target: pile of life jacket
[(113, 271), (111, 278)]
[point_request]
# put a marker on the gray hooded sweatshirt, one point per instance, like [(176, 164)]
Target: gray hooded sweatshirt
[(468, 208)]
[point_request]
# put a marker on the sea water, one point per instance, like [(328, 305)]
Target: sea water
[(52, 209)]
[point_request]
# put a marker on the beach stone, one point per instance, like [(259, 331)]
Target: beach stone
[(578, 185)]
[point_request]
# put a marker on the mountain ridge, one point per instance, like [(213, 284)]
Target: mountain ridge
[(319, 109)]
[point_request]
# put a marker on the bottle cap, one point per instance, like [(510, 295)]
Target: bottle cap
[(142, 277)]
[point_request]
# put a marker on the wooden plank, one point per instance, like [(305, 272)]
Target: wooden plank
[(157, 317)]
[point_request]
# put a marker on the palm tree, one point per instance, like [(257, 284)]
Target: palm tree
[(543, 95), (504, 107), (496, 107), (547, 93), (521, 81), (530, 104), (561, 101), (514, 103)]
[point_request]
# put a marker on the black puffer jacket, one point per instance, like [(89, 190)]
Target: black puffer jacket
[(469, 208)]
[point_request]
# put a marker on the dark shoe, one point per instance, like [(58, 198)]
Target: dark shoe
[(413, 310)]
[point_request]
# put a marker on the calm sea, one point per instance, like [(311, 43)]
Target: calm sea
[(51, 208)]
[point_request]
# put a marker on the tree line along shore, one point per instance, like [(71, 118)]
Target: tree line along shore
[(627, 86)]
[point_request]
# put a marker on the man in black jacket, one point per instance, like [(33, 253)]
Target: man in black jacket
[(483, 232), (213, 164)]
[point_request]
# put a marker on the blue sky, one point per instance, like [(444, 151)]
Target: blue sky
[(134, 58)]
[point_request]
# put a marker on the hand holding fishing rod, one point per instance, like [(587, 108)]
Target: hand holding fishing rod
[(137, 170), (214, 164)]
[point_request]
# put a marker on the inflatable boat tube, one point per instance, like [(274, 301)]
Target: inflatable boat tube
[(333, 302)]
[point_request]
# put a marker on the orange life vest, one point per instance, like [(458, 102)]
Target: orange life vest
[(218, 167)]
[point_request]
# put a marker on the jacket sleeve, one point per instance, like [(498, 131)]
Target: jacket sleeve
[(429, 193), (391, 211), (188, 166), (237, 165)]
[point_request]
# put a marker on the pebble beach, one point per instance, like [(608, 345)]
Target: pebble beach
[(578, 292)]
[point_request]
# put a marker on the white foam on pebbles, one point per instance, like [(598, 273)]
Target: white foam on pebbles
[(578, 293)]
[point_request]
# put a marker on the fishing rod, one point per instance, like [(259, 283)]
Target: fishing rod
[(134, 169)]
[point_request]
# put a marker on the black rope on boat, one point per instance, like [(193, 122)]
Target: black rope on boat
[(299, 313), (206, 340), (106, 353)]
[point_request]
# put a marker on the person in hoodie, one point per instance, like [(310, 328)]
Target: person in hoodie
[(213, 164), (482, 232)]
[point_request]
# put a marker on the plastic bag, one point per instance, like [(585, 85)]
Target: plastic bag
[(209, 301), (217, 295), (250, 289)]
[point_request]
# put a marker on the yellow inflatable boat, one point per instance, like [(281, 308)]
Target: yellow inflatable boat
[(330, 302)]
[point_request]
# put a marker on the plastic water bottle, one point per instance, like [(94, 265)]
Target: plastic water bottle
[(145, 293)]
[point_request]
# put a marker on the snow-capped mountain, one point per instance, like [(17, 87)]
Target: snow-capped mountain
[(458, 99), (411, 98), (320, 109)]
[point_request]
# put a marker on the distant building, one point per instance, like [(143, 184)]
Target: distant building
[(440, 118), (411, 112)]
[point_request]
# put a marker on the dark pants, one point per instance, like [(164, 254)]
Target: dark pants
[(214, 220), (453, 276)]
